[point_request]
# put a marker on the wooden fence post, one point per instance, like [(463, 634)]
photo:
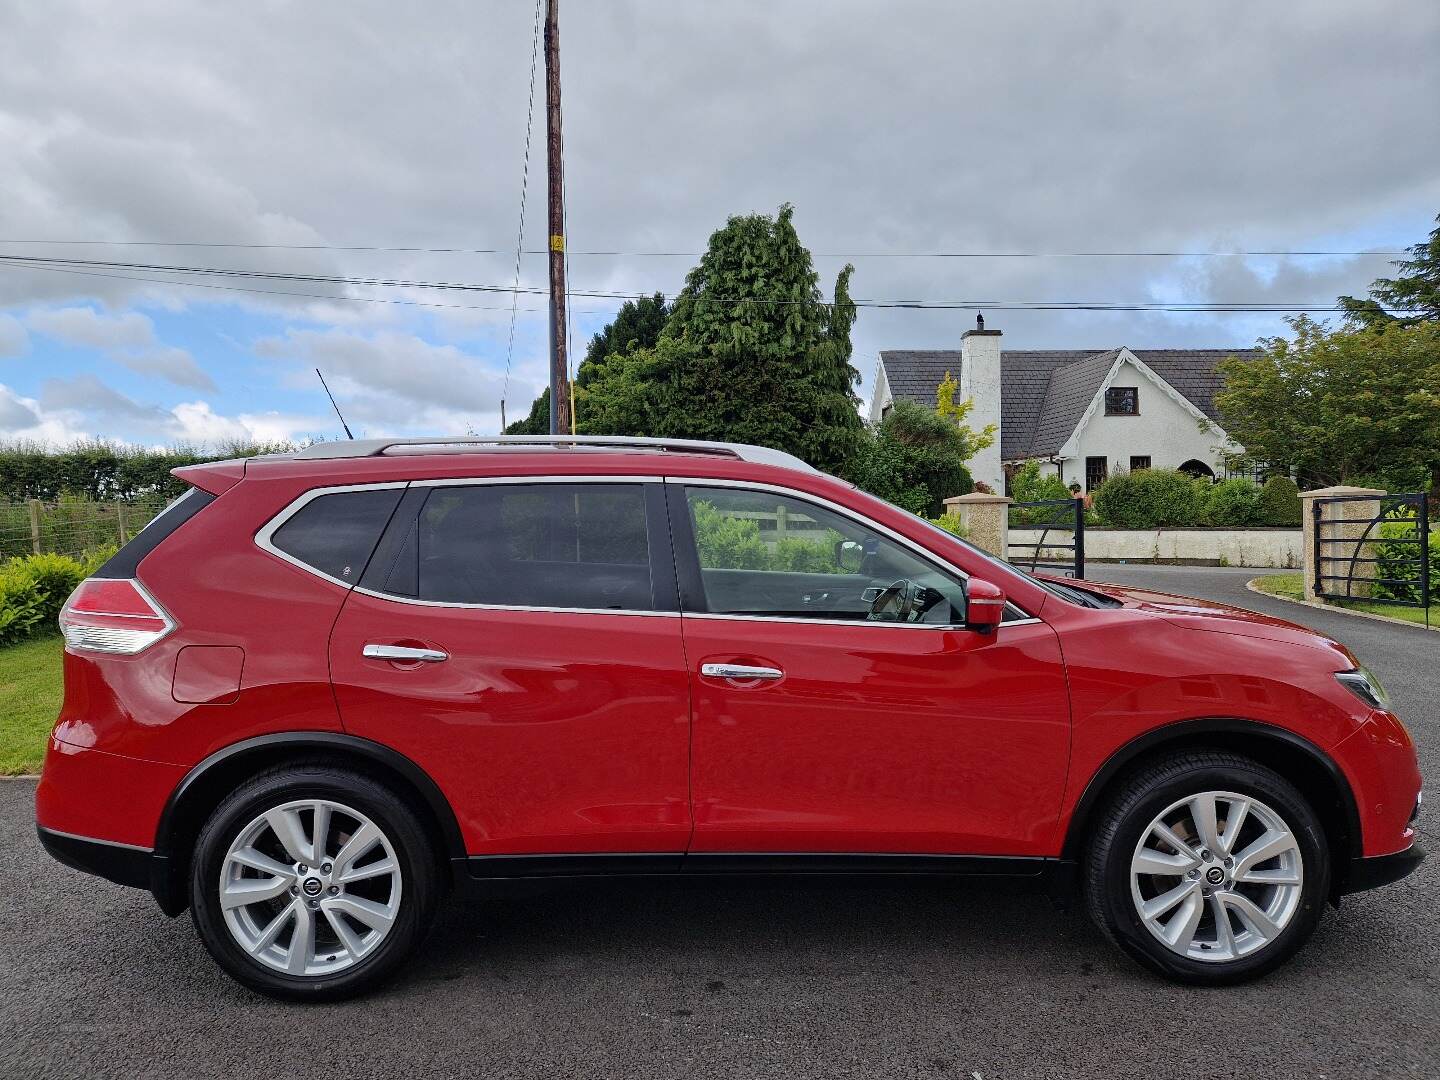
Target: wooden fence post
[(34, 505), (122, 522)]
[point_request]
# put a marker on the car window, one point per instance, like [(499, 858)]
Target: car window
[(766, 554), (529, 545), (336, 533)]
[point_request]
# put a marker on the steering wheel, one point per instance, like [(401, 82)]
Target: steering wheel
[(896, 601)]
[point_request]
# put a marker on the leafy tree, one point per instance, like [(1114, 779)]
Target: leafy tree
[(636, 325), (1342, 406), (538, 422), (750, 352), (915, 459), (1415, 290), (1029, 484)]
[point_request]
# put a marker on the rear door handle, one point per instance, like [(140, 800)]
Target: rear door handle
[(402, 652), (740, 671)]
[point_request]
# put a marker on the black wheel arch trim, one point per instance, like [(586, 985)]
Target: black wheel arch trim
[(1187, 731), (171, 817)]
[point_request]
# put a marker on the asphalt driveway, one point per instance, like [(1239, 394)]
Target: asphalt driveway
[(742, 978)]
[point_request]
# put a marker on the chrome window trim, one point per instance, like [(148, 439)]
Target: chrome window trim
[(264, 538), (819, 500)]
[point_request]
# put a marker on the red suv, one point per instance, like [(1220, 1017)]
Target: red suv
[(322, 689)]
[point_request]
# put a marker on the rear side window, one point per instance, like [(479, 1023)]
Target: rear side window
[(124, 562), (336, 533), (528, 545)]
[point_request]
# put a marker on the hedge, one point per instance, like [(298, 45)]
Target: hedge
[(1168, 499), (99, 470), (34, 588)]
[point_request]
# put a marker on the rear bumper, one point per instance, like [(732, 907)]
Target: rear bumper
[(120, 863), (1380, 870)]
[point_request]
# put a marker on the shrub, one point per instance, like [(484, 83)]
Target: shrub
[(1280, 502), (1029, 485), (1401, 561), (33, 589), (1150, 499), (950, 522), (1231, 504)]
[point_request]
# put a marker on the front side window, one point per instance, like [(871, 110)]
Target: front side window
[(527, 545), (765, 554)]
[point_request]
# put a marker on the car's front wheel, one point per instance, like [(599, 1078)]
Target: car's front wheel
[(1208, 868), (312, 883)]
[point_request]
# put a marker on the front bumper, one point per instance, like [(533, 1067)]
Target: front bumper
[(1380, 870)]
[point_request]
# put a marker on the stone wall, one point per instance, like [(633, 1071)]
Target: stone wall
[(1280, 548)]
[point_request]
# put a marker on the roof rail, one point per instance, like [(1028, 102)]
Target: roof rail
[(459, 444)]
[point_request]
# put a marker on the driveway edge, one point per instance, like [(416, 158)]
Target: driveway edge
[(1343, 611)]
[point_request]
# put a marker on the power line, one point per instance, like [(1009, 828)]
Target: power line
[(697, 254), (33, 262)]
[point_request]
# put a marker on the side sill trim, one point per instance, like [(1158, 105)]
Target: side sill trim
[(495, 867)]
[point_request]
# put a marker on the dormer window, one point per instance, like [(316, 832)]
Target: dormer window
[(1122, 401)]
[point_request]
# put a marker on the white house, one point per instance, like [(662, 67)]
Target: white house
[(1083, 413)]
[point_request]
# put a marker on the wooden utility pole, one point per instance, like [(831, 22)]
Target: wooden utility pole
[(559, 369)]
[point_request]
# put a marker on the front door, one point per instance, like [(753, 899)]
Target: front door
[(520, 642), (839, 704)]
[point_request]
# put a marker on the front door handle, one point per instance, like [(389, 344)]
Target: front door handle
[(740, 671), (402, 652)]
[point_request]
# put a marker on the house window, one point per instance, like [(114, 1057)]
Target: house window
[(1094, 472), (1122, 401), (1139, 461)]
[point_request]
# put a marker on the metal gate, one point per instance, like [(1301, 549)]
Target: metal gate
[(1382, 547), (1061, 544)]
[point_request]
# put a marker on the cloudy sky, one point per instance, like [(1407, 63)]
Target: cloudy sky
[(895, 129)]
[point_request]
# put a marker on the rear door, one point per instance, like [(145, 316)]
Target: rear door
[(840, 704), (519, 640)]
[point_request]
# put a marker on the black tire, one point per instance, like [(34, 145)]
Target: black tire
[(1147, 794), (419, 869)]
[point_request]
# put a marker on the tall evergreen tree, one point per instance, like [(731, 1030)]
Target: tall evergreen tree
[(751, 352), (1415, 290)]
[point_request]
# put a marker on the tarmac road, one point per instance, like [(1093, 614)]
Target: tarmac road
[(801, 978)]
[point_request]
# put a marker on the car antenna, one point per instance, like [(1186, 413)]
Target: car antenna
[(336, 407)]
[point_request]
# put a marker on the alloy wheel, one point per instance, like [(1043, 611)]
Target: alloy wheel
[(310, 887), (1217, 876)]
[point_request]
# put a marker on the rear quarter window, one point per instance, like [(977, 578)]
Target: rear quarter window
[(337, 532)]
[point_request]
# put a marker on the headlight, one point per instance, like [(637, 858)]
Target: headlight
[(1366, 687)]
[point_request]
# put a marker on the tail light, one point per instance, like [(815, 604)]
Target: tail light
[(113, 615)]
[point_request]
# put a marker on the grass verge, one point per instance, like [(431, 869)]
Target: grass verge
[(30, 691), (1292, 587)]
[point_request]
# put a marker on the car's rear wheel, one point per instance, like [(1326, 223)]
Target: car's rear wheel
[(1208, 868), (311, 882)]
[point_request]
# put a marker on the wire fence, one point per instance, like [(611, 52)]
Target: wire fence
[(71, 526)]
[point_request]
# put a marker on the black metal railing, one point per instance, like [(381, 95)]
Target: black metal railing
[(1061, 545), (1388, 558)]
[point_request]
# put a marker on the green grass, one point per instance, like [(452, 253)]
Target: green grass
[(30, 690), (1292, 587)]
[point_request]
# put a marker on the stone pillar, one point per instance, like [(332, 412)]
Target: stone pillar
[(1330, 513), (986, 519)]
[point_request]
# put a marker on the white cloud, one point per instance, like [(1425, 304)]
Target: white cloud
[(87, 327), (23, 419), (391, 380), (169, 363)]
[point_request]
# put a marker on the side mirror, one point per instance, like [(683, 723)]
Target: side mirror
[(984, 605), (849, 556)]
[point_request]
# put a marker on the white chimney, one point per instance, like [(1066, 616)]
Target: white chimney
[(980, 382)]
